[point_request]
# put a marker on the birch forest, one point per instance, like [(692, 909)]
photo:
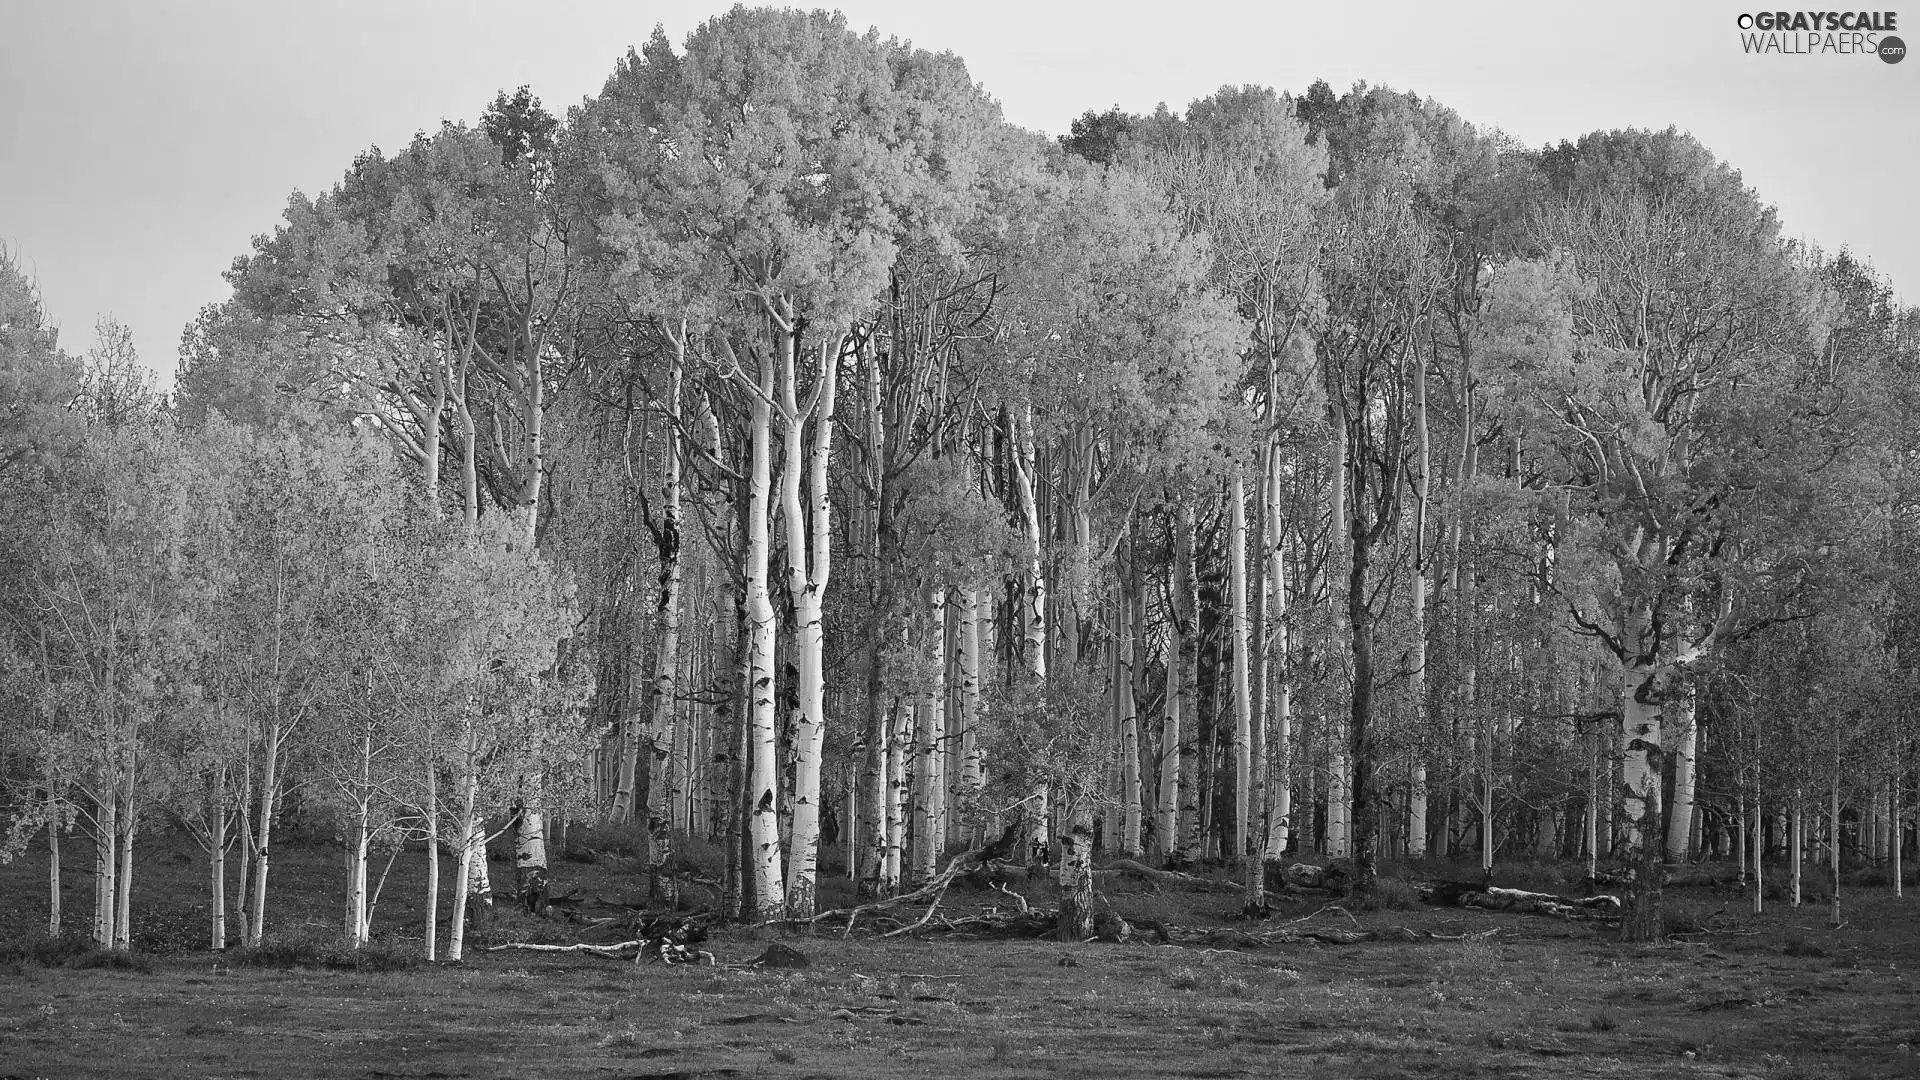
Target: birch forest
[(783, 461)]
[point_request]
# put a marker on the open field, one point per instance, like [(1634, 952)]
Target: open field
[(1774, 997)]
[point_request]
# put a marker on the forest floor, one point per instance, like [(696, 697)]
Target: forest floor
[(1776, 996)]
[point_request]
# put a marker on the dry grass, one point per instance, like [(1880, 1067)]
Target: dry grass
[(1539, 999)]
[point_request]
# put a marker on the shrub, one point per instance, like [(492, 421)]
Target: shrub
[(1686, 917), (297, 949), (1393, 894), (1798, 945), (67, 951), (34, 948)]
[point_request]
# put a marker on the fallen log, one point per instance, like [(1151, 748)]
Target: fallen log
[(1241, 939), (1495, 898), (1331, 879), (613, 952), (964, 863), (1173, 878)]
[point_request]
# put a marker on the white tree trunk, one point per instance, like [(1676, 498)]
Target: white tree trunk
[(433, 863), (216, 859), (1280, 829), (263, 833), (1123, 676), (123, 880), (967, 669), (657, 816), (1796, 853), (1243, 846), (1186, 604), (899, 750), (105, 866), (809, 567), (1423, 720), (1167, 804), (763, 822), (1339, 795), (1833, 848), (1642, 734), (530, 858), (358, 839), (53, 884), (1076, 876), (472, 851), (1684, 741), (929, 780), (1033, 606)]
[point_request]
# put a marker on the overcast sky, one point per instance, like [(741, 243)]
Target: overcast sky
[(143, 143)]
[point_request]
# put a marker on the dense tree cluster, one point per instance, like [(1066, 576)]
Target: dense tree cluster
[(783, 450)]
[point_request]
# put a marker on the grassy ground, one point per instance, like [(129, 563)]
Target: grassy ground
[(1775, 997)]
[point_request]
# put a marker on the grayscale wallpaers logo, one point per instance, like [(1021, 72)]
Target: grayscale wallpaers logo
[(1822, 33)]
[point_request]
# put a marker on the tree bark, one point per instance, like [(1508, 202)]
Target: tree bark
[(763, 823), (1684, 743), (657, 815), (809, 566), (106, 834), (1186, 604), (1281, 828), (929, 782), (1242, 845), (967, 669), (1076, 878), (1127, 608)]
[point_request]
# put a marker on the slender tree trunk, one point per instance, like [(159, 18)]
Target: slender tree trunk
[(1593, 811), (1898, 814), (1131, 797), (1033, 609), (809, 564), (217, 859), (657, 820), (1167, 805), (929, 779), (1186, 604), (472, 850), (1243, 847), (763, 823), (1833, 830), (1423, 720), (1281, 829), (1740, 809), (263, 832), (972, 774), (123, 880), (876, 783), (53, 884), (1796, 853), (479, 878), (899, 752), (433, 863), (1360, 726), (530, 857), (243, 857), (105, 866)]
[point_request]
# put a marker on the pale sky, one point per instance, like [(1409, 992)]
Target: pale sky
[(143, 143)]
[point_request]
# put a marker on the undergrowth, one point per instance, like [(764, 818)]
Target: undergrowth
[(303, 950), (66, 951)]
